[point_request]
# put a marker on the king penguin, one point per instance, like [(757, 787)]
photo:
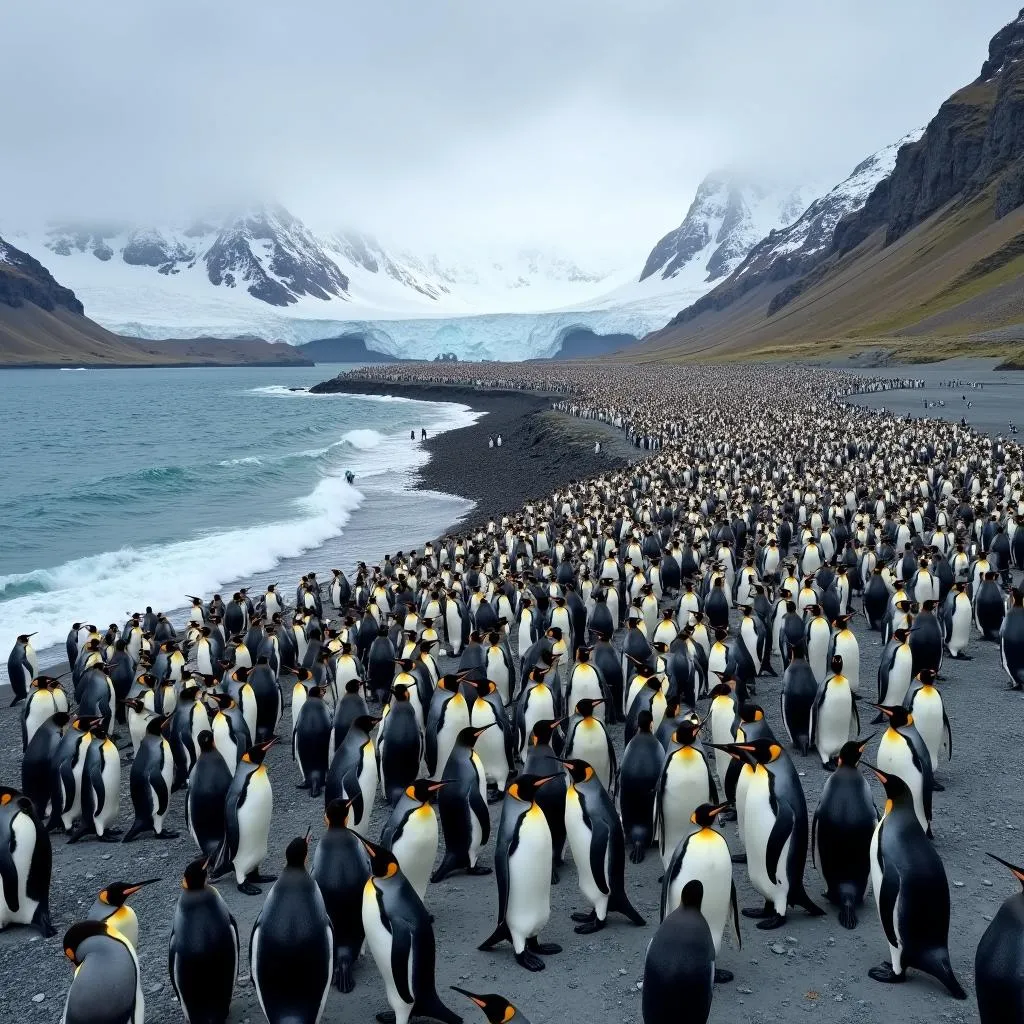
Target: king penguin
[(112, 907), (462, 803), (291, 949), (150, 783), (844, 822), (522, 858), (999, 961), (249, 805), (401, 940), (106, 987), (598, 847), (202, 958), (680, 963), (411, 833), (497, 1009), (26, 860), (911, 892)]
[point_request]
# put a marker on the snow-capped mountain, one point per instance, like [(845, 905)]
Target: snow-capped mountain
[(256, 271), (793, 249), (724, 222)]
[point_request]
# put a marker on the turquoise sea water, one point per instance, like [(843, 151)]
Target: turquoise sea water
[(122, 488)]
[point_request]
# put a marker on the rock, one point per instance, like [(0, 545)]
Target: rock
[(38, 997), (777, 948)]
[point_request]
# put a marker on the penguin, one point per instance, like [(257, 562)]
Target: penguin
[(989, 609), (680, 963), (1011, 638), (494, 746), (208, 788), (291, 948), (638, 786), (411, 833), (149, 783), (230, 732), (447, 717), (248, 807), (895, 670), (401, 940), (723, 717), (36, 782), (598, 848), (911, 892), (26, 860), (106, 987), (311, 740), (541, 762), (400, 744), (998, 973), (844, 644), (799, 693), (703, 854), (685, 785), (66, 771), (775, 834), (341, 868), (351, 706), (101, 790), (203, 954), (587, 739), (957, 619), (834, 718), (522, 857), (269, 698), (902, 752), (497, 1009), (22, 667), (925, 704), (353, 774), (843, 824), (462, 804), (111, 907), (925, 639), (46, 698), (537, 702)]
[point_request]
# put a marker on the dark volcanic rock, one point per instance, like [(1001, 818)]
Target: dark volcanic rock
[(24, 279)]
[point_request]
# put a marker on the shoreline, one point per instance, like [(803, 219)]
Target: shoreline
[(541, 450)]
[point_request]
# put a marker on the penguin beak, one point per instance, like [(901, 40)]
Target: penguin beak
[(882, 708), (434, 787), (484, 728), (546, 780), (882, 777), (715, 811), (594, 703), (862, 746), (266, 745), (469, 995), (132, 889), (1018, 873)]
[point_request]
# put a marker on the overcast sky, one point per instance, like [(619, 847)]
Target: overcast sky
[(585, 124)]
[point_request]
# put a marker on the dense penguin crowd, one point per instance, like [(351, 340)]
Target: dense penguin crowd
[(645, 664)]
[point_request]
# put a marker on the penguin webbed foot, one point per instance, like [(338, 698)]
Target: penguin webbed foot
[(829, 765), (255, 876), (303, 785), (386, 1017), (78, 833), (43, 923), (555, 877), (583, 916), (739, 858), (758, 912), (722, 976), (167, 833), (589, 927), (534, 945), (528, 960), (886, 975), (938, 787), (249, 889), (771, 922), (479, 870), (343, 979), (848, 916), (494, 796), (637, 853), (112, 835)]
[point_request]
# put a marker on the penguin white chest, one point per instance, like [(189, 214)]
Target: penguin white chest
[(929, 721), (708, 860), (590, 744), (529, 896), (758, 822), (686, 788), (23, 839), (380, 941), (833, 719), (416, 848), (254, 824), (580, 838)]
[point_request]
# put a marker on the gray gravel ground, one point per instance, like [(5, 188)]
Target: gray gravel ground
[(808, 969)]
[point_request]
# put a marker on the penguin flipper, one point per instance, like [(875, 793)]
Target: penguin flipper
[(781, 832), (401, 951), (735, 914), (949, 735), (888, 894), (96, 782), (67, 785), (600, 837), (478, 807), (855, 714), (9, 876), (712, 788), (159, 788), (37, 885), (814, 835)]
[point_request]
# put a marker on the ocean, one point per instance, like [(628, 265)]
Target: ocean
[(127, 488)]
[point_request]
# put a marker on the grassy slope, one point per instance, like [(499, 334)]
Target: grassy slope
[(875, 296)]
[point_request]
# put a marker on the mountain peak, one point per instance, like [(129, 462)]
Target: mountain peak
[(727, 217), (1006, 47)]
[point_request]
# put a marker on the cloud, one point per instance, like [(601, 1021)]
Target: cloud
[(582, 124)]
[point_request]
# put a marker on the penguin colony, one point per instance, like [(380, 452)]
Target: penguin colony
[(643, 665)]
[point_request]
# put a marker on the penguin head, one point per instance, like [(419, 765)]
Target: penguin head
[(585, 707), (722, 688), (471, 733), (399, 691), (579, 771), (760, 751), (927, 676), (644, 722), (543, 731), (751, 712), (897, 792), (116, 894), (297, 851), (852, 751), (205, 740), (258, 751), (194, 878), (692, 895), (497, 1009), (155, 725), (383, 863), (80, 933), (897, 714), (424, 790), (526, 787), (705, 814), (8, 795), (336, 813), (837, 664), (686, 732), (366, 723)]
